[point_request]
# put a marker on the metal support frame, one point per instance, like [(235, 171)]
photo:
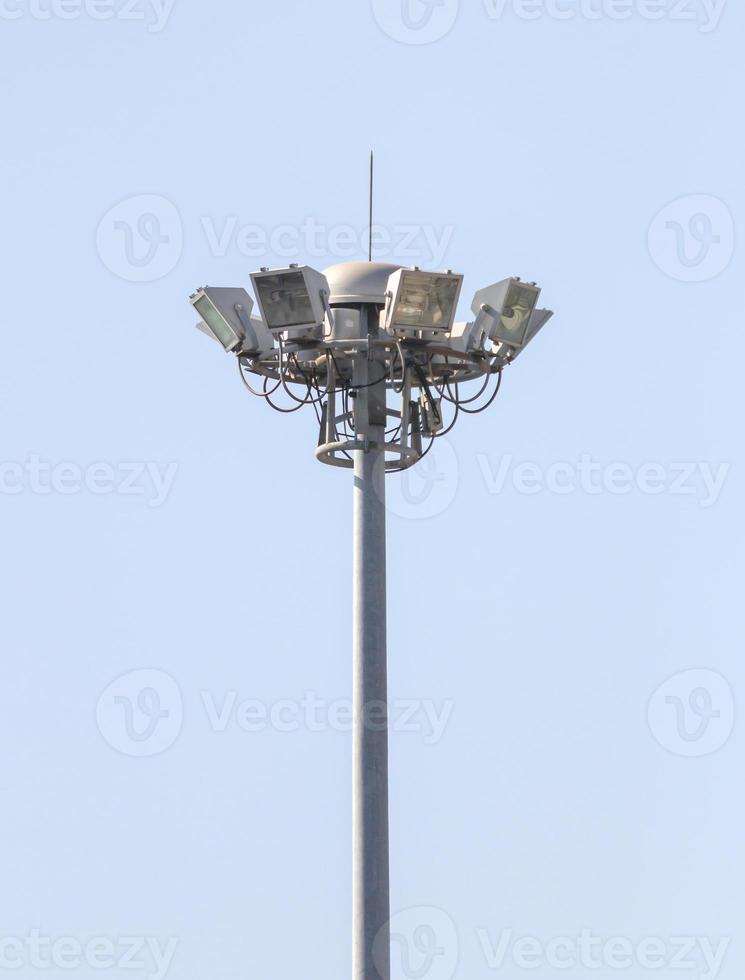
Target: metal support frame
[(370, 860)]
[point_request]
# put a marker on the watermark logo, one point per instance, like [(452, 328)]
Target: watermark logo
[(588, 951), (415, 21), (702, 481), (66, 478), (693, 713), (692, 239), (705, 13), (406, 243), (423, 944), (153, 13), (312, 713), (141, 712), (141, 238), (37, 951), (427, 489)]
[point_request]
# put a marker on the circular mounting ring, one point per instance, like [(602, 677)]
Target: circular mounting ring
[(325, 453)]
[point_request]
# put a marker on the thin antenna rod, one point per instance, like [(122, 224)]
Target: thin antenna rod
[(369, 249)]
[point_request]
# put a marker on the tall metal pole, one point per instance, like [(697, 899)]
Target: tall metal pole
[(370, 873)]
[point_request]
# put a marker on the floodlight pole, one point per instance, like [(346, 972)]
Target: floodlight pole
[(370, 863), (438, 355)]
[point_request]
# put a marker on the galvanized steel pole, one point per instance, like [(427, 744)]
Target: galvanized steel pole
[(370, 870)]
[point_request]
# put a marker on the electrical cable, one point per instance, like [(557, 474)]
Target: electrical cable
[(446, 391), (283, 380), (370, 384), (482, 408), (278, 408), (259, 394), (466, 401)]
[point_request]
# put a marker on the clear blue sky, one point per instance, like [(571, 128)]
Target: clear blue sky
[(557, 797)]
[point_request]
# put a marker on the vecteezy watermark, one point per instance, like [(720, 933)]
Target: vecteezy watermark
[(415, 21), (704, 481), (141, 238), (411, 243), (705, 13), (312, 713), (693, 713), (43, 477), (153, 13), (592, 952), (692, 239), (41, 952), (423, 943), (141, 712), (428, 489), (425, 21)]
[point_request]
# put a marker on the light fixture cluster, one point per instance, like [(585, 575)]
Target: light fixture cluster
[(309, 333)]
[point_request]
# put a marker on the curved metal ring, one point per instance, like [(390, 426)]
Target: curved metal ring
[(325, 454)]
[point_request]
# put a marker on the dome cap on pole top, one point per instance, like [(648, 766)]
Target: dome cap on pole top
[(359, 282)]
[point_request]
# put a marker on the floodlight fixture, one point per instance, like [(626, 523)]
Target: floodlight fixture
[(507, 353), (226, 317), (504, 310), (292, 300), (421, 304)]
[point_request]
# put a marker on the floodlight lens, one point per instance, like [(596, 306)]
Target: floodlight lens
[(285, 300), (516, 313), (216, 322), (426, 301)]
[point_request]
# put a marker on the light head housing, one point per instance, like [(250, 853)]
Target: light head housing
[(294, 299), (505, 308), (538, 320), (421, 304), (226, 317)]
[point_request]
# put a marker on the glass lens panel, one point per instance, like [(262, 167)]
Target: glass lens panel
[(216, 322), (285, 300), (516, 314), (426, 301)]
